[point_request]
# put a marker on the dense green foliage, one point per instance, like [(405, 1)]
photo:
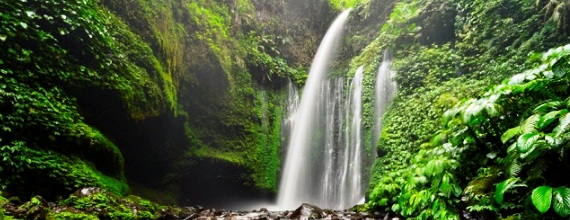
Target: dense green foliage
[(97, 204), (441, 161), (82, 81), (44, 136)]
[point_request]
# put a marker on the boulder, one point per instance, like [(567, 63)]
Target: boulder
[(308, 211)]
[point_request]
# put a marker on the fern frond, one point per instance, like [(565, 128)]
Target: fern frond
[(509, 134), (514, 169), (537, 170)]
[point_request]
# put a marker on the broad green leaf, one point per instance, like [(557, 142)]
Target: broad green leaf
[(535, 151), (563, 126), (561, 201), (560, 68), (509, 134), (526, 141), (542, 198), (545, 107), (502, 187), (546, 119), (530, 124)]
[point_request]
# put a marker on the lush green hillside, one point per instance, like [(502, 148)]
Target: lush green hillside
[(444, 53), (144, 93)]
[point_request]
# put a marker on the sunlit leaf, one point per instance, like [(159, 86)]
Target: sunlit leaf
[(526, 141), (561, 201), (509, 134), (547, 119), (530, 123), (548, 106), (542, 198), (563, 126), (502, 187)]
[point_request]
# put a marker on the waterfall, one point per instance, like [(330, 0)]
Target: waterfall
[(385, 90), (351, 185), (299, 179)]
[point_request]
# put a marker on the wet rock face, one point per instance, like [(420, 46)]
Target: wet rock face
[(87, 191)]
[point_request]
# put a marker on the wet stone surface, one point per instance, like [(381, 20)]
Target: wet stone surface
[(100, 204), (305, 211)]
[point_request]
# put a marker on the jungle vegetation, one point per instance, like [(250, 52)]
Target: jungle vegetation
[(129, 95)]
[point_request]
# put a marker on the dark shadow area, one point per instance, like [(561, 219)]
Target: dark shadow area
[(216, 184)]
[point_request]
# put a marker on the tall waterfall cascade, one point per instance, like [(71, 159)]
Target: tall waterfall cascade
[(325, 160), (298, 181)]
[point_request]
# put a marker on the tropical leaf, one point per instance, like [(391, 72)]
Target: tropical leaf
[(542, 198), (535, 151), (563, 126), (548, 106), (459, 136), (548, 118), (530, 123), (526, 141), (502, 187), (491, 107), (439, 138), (535, 85), (509, 134), (472, 108), (560, 68), (561, 201)]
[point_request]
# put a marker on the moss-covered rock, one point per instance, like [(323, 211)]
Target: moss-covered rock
[(91, 203)]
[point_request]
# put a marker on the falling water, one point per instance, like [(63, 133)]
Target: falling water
[(351, 185), (328, 164), (385, 90), (298, 177), (291, 105)]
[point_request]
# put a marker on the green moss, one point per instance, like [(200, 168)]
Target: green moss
[(265, 156), (344, 4)]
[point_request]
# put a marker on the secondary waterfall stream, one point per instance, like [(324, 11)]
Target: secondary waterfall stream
[(384, 93)]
